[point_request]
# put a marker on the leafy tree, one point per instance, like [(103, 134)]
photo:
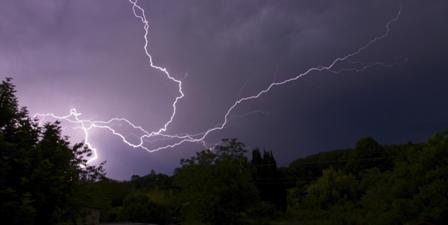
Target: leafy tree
[(367, 154), (331, 199), (333, 187), (106, 195), (416, 190), (216, 187), (137, 207), (152, 200), (40, 172)]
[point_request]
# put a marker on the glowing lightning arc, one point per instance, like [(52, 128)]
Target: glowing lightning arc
[(87, 125)]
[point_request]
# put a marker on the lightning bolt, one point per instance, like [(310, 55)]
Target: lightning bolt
[(74, 117)]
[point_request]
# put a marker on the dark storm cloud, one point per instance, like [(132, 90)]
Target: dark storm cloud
[(89, 54)]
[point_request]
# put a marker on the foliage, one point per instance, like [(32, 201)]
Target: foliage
[(149, 207), (399, 184), (216, 187), (369, 184), (40, 172)]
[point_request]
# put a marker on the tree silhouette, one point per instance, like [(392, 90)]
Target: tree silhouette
[(268, 179), (40, 172)]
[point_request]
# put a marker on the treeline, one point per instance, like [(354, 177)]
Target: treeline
[(373, 184), (45, 180), (368, 184), (213, 187)]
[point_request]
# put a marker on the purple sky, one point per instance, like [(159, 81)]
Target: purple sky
[(89, 54)]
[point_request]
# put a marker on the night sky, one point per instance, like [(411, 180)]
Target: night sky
[(89, 55)]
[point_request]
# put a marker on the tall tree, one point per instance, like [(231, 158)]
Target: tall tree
[(268, 179), (40, 172)]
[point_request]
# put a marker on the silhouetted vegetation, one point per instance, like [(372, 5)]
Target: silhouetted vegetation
[(44, 180), (41, 175)]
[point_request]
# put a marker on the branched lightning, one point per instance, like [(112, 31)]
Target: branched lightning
[(74, 117)]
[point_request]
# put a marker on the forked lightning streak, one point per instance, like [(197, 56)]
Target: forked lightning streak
[(87, 125)]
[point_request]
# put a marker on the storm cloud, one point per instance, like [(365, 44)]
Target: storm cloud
[(89, 55)]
